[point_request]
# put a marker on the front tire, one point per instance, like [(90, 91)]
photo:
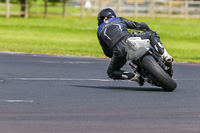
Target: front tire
[(157, 74)]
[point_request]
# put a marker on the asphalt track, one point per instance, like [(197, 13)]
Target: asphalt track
[(58, 94)]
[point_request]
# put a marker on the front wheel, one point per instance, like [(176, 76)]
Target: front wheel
[(157, 74)]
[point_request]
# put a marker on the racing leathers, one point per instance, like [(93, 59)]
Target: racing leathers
[(112, 35)]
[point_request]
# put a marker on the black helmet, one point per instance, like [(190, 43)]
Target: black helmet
[(105, 14)]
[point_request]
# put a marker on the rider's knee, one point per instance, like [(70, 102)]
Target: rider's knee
[(115, 74), (109, 72)]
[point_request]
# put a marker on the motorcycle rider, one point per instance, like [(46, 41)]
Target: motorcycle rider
[(113, 33)]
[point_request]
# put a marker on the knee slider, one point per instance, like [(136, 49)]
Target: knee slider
[(109, 72)]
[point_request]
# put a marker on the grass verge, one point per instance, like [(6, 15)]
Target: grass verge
[(73, 36)]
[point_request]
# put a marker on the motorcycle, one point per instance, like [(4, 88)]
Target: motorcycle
[(146, 61)]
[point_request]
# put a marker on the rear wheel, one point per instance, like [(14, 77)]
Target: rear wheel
[(157, 74)]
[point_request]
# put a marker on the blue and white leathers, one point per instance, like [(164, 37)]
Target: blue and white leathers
[(111, 31), (112, 35)]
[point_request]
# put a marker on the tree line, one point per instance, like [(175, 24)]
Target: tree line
[(24, 2)]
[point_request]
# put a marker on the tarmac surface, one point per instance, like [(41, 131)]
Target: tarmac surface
[(61, 94)]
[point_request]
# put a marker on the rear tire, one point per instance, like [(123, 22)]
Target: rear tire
[(158, 74)]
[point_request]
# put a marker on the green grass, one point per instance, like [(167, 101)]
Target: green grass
[(73, 36), (49, 36)]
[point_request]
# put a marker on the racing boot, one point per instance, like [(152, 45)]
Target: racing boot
[(133, 77), (155, 41), (169, 61), (167, 57)]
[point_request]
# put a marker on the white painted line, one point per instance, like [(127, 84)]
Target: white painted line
[(48, 55), (77, 79), (67, 62), (190, 79), (16, 101), (58, 79)]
